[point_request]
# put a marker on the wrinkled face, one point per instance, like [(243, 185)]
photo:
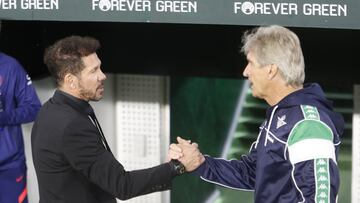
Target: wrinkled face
[(91, 79), (257, 76)]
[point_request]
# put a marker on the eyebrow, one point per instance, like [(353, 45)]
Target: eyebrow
[(96, 67)]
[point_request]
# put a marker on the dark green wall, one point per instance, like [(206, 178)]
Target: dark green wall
[(201, 110)]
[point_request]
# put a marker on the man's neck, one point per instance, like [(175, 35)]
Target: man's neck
[(71, 92), (280, 93)]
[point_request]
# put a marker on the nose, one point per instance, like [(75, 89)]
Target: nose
[(102, 76), (246, 71)]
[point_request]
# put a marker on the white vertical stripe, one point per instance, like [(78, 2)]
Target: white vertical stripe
[(234, 122), (355, 186), (329, 178), (296, 186), (267, 137)]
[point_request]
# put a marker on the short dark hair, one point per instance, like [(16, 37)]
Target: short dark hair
[(64, 56)]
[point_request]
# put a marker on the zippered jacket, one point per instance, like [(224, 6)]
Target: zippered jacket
[(294, 158), (18, 104)]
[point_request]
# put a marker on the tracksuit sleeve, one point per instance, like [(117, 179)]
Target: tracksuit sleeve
[(235, 174), (26, 104), (85, 152), (312, 155), (317, 179)]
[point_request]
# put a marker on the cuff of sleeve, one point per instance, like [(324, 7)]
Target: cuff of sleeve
[(176, 167), (200, 170)]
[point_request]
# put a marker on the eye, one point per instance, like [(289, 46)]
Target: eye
[(93, 70)]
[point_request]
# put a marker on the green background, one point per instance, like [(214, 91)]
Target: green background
[(202, 110)]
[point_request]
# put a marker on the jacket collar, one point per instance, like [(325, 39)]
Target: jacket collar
[(79, 105)]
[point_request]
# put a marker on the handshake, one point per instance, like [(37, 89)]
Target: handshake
[(187, 153)]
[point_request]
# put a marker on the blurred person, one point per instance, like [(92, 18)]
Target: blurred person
[(19, 104), (294, 158), (72, 158)]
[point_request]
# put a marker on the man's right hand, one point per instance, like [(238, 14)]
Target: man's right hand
[(187, 153)]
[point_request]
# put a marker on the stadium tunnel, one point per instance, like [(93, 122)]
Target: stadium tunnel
[(180, 49)]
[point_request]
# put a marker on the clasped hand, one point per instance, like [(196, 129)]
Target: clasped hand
[(187, 153)]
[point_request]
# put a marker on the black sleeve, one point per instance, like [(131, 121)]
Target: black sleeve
[(86, 154)]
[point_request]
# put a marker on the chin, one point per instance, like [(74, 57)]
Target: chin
[(256, 96), (96, 98)]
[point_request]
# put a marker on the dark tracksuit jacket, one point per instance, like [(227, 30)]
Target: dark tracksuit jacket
[(72, 164), (294, 158), (18, 104)]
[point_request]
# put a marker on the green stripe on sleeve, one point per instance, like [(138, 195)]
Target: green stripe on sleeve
[(309, 129), (322, 178), (310, 112)]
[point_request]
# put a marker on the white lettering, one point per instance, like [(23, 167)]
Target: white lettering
[(284, 9), (307, 9), (40, 4), (95, 3), (325, 10), (7, 4), (276, 7), (258, 8), (117, 6), (293, 9), (266, 8), (176, 6), (121, 5), (342, 10), (316, 9), (236, 6)]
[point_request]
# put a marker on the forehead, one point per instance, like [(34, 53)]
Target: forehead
[(251, 57), (91, 61)]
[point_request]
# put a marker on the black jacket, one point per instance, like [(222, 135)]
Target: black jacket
[(72, 164)]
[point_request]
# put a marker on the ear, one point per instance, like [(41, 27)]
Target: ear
[(70, 81), (272, 71)]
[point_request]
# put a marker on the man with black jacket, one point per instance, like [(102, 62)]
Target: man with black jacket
[(72, 159)]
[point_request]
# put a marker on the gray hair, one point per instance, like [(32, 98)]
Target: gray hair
[(280, 46)]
